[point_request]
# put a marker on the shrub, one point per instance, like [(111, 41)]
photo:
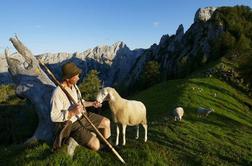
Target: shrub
[(151, 73), (90, 85)]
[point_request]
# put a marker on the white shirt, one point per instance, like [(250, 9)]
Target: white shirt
[(60, 104)]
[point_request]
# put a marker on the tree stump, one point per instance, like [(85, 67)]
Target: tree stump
[(32, 83)]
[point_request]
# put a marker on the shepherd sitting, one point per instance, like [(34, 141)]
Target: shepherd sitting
[(68, 116)]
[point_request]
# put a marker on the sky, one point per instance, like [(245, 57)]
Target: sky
[(77, 25)]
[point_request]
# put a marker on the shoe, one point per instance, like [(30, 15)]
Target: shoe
[(104, 148), (109, 140), (72, 144), (118, 147)]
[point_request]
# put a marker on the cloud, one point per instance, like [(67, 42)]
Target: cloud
[(37, 26), (156, 24)]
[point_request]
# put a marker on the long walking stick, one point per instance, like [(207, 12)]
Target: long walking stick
[(72, 99)]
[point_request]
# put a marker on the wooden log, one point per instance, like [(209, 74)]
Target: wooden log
[(32, 83)]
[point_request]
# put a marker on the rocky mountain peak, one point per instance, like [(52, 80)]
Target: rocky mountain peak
[(119, 44), (113, 62), (164, 39), (204, 14), (179, 33), (104, 53)]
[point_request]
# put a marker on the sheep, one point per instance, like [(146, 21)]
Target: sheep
[(125, 112), (178, 113), (204, 112)]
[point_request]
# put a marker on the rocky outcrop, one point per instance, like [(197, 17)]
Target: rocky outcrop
[(164, 39), (118, 65), (113, 62), (121, 66), (5, 77), (179, 33), (178, 54), (204, 14)]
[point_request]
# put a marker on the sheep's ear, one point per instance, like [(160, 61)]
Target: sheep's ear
[(111, 96)]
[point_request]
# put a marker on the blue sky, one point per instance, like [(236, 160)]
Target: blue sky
[(76, 25)]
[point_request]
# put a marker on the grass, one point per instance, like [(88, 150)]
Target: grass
[(17, 117), (223, 138)]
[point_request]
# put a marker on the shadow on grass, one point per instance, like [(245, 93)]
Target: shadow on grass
[(232, 110), (17, 123), (174, 145)]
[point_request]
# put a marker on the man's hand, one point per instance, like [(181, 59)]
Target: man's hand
[(75, 110), (97, 104)]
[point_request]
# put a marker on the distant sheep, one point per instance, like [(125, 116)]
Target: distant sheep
[(203, 112), (125, 112), (178, 113)]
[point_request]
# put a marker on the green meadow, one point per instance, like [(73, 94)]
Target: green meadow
[(222, 138)]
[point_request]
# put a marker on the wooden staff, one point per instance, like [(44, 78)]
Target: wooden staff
[(72, 99)]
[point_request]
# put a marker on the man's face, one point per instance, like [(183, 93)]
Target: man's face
[(73, 80)]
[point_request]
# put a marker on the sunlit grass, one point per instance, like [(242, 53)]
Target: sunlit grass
[(223, 138)]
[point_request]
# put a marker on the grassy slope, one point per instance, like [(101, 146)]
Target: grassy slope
[(17, 117), (224, 138)]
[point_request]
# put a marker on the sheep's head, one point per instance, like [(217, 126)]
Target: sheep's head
[(104, 95), (211, 110)]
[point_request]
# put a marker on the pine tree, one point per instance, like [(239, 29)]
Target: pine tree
[(151, 74), (90, 85)]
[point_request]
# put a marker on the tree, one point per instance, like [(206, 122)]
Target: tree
[(33, 84), (222, 46), (151, 73), (90, 86), (243, 43)]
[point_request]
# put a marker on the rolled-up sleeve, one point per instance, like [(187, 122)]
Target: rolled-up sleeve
[(58, 113)]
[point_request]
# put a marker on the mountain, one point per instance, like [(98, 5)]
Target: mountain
[(113, 62), (199, 68), (215, 33), (5, 77), (177, 53)]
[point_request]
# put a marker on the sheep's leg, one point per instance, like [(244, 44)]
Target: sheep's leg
[(123, 132), (145, 132), (137, 135), (117, 134)]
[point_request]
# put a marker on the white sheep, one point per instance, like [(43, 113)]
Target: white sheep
[(125, 112), (204, 112), (178, 113)]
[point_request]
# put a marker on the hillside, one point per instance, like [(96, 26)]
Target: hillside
[(224, 138), (213, 61), (224, 33), (215, 33)]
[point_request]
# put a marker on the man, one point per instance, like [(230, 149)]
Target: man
[(62, 110)]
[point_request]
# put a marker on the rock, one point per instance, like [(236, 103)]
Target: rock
[(112, 62), (204, 14), (179, 33), (5, 77), (164, 40)]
